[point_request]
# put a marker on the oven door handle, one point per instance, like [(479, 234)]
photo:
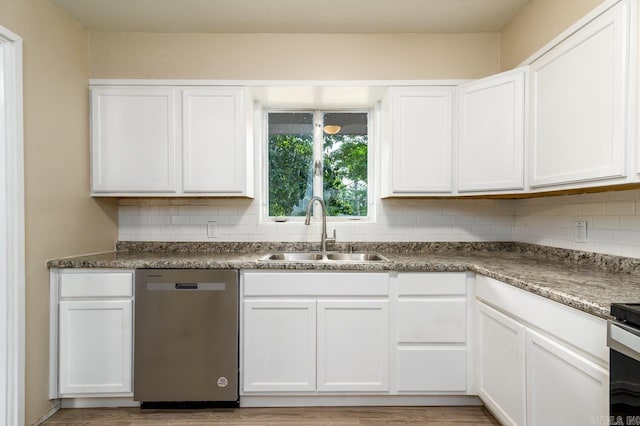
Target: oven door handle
[(624, 339)]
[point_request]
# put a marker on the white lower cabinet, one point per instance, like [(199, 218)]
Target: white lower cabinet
[(353, 345), (92, 333), (279, 345), (315, 332), (430, 334), (539, 362), (563, 387), (501, 367), (337, 333), (95, 347)]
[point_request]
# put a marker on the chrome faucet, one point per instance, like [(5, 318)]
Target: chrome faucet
[(323, 237)]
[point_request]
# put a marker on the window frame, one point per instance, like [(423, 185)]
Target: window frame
[(318, 151)]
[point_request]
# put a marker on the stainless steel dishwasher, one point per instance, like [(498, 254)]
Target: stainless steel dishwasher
[(186, 338)]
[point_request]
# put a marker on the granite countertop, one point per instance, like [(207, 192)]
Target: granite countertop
[(585, 281)]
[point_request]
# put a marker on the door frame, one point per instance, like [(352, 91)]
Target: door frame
[(12, 229)]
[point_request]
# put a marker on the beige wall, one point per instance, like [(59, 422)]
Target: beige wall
[(294, 56), (538, 24), (61, 218)]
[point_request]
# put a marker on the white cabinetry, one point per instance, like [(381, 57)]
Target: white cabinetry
[(93, 311), (563, 387), (134, 140), (314, 332), (539, 362), (430, 347), (279, 338), (417, 141), (353, 341), (171, 141), (491, 125), (501, 367), (581, 103), (216, 155)]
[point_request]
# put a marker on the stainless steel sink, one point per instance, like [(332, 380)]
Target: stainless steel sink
[(357, 257), (317, 257), (294, 257)]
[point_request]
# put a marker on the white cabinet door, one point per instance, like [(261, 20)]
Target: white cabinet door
[(215, 146), (279, 345), (95, 347), (501, 365), (563, 387), (491, 133), (133, 140), (353, 351), (421, 141), (580, 100)]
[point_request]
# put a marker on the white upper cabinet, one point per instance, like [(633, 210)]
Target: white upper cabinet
[(215, 129), (133, 140), (580, 104), (491, 131), (171, 141), (417, 138)]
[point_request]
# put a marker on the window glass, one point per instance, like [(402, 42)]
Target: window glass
[(345, 167), (331, 162), (290, 163)]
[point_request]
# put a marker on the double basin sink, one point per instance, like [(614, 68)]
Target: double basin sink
[(331, 256)]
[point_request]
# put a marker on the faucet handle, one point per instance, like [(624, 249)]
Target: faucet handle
[(333, 238)]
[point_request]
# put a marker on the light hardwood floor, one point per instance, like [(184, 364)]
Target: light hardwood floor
[(342, 416)]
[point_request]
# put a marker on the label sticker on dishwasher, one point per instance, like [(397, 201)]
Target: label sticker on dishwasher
[(222, 382)]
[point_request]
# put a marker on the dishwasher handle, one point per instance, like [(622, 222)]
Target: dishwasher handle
[(186, 286)]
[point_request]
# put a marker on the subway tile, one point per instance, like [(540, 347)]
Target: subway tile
[(159, 220), (627, 237), (605, 222), (620, 208), (597, 196), (593, 209), (629, 195), (630, 223)]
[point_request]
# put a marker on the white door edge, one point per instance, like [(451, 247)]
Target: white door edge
[(12, 231)]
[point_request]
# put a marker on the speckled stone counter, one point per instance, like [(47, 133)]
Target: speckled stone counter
[(585, 281)]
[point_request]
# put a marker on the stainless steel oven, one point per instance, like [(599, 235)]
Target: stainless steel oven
[(623, 339)]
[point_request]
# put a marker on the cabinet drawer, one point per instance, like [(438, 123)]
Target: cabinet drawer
[(107, 284), (431, 321), (431, 369), (431, 283)]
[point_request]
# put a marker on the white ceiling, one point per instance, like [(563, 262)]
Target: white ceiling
[(294, 16)]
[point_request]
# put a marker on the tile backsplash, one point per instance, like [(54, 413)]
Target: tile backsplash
[(241, 220), (613, 221)]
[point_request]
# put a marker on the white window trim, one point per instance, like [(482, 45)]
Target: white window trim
[(372, 146), (12, 262)]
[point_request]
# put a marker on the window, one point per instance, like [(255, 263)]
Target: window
[(318, 153)]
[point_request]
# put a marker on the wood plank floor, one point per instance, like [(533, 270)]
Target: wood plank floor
[(321, 416)]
